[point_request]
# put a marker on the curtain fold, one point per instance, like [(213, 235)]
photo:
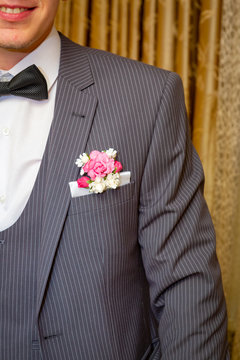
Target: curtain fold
[(198, 39), (204, 118), (226, 194), (79, 21), (149, 32), (123, 29), (134, 29), (182, 59), (166, 34), (99, 24), (63, 18), (114, 26)]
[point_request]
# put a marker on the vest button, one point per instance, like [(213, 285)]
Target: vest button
[(1, 241)]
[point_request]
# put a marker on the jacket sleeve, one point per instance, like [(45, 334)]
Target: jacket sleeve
[(177, 240)]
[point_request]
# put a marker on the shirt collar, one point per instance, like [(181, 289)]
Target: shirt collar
[(46, 57)]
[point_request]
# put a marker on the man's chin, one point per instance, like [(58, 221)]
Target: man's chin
[(19, 46), (11, 52), (22, 40), (12, 47)]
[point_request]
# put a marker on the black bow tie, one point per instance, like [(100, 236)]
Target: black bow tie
[(29, 83)]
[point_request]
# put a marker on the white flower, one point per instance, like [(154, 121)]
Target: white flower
[(113, 181), (98, 185), (111, 153), (82, 172), (82, 160), (78, 163)]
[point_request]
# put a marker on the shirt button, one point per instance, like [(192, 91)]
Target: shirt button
[(2, 198), (6, 131)]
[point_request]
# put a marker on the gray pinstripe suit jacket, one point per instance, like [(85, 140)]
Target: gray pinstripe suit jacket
[(135, 266)]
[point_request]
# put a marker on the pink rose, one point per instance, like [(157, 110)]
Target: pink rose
[(99, 165), (83, 182), (93, 154), (117, 166)]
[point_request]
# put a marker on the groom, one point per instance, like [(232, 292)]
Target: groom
[(129, 273)]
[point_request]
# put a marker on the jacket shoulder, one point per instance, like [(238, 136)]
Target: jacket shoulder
[(103, 62)]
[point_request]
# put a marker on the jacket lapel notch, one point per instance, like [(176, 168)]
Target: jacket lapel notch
[(75, 66)]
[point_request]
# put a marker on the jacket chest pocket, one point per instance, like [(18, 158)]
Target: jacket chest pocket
[(105, 222), (106, 200)]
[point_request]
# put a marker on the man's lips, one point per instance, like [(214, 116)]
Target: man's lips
[(15, 13), (10, 10)]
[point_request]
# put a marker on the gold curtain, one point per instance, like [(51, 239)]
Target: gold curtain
[(200, 40), (226, 193)]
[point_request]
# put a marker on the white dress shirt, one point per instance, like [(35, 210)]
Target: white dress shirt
[(24, 129)]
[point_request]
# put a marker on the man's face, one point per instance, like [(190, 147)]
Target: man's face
[(24, 24)]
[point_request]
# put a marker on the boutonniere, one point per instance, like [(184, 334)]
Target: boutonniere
[(100, 170)]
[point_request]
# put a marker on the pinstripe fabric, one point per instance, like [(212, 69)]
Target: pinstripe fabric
[(129, 274), (19, 338)]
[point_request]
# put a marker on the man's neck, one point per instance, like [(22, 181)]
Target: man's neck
[(9, 58)]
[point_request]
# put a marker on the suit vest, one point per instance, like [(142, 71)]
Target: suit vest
[(19, 248)]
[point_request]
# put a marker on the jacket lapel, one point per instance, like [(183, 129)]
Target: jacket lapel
[(74, 112)]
